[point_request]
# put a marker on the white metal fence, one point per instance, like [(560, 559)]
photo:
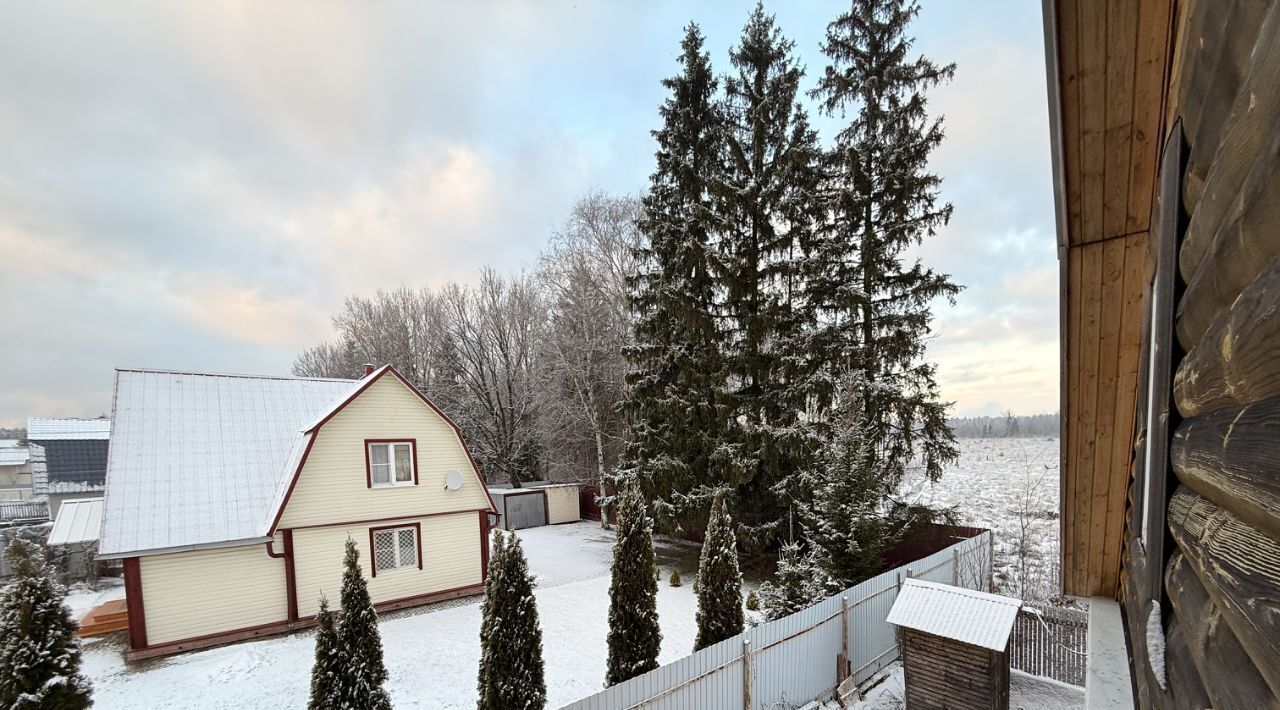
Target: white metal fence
[(791, 661)]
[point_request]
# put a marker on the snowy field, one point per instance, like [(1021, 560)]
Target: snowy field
[(432, 652), (1010, 486)]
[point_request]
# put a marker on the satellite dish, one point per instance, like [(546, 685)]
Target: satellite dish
[(453, 480)]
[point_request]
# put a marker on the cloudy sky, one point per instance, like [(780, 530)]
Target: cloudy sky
[(199, 185)]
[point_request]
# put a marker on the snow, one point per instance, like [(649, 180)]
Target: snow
[(1155, 645), (432, 652), (965, 615), (1009, 485), (1026, 692)]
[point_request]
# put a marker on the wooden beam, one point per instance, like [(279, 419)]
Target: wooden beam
[(1245, 132), (1229, 457), (1240, 568), (1235, 362), (1242, 247), (1092, 38), (1227, 673), (1186, 690)]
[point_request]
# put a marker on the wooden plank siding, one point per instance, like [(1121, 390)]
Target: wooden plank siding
[(1112, 67)]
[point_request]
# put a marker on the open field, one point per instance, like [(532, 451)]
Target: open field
[(1010, 486)]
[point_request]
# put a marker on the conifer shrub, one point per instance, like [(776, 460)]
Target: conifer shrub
[(365, 672), (720, 613), (634, 635), (674, 580), (512, 673), (330, 664)]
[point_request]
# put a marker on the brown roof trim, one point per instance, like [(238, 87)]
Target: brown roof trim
[(387, 519)]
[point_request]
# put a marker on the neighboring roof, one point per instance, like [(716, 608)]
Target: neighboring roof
[(10, 443), (14, 457), (45, 429), (964, 615), (78, 521), (24, 510), (196, 459)]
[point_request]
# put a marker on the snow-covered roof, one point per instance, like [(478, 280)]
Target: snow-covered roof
[(965, 615), (196, 460), (50, 429), (9, 443), (78, 521), (14, 457)]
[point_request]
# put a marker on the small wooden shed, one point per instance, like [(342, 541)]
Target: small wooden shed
[(954, 646)]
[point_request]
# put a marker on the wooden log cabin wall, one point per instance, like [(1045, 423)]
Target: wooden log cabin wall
[(1195, 409)]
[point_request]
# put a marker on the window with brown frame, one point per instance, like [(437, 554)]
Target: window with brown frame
[(390, 462), (394, 548)]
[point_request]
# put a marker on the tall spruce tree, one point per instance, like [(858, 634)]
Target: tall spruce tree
[(39, 651), (511, 667), (361, 643), (765, 211), (634, 635), (330, 663), (881, 200), (675, 412), (720, 614)]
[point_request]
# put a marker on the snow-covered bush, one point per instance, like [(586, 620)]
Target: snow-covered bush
[(719, 580), (511, 667), (364, 673), (330, 663), (799, 583), (39, 651), (634, 635)]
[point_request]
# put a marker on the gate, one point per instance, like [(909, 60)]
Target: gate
[(523, 510)]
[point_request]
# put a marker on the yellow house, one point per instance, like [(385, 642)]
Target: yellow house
[(230, 499)]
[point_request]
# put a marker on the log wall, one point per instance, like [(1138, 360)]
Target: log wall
[(1219, 599)]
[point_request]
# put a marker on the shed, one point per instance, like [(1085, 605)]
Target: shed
[(562, 503), (520, 508), (953, 643), (75, 536)]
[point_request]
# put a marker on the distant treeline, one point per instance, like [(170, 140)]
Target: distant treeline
[(1005, 425), (15, 433)]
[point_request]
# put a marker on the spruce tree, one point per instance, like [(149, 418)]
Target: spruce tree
[(39, 651), (720, 614), (634, 635), (675, 411), (330, 664), (511, 667), (798, 584), (872, 300), (846, 522), (765, 211), (361, 643)]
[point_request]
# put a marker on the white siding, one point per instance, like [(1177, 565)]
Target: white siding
[(189, 594), (451, 558), (332, 486), (562, 504)]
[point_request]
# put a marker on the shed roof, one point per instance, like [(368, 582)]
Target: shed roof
[(196, 459), (964, 615), (54, 429), (78, 521), (14, 457)]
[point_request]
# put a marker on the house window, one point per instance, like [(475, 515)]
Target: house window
[(391, 463), (395, 548)]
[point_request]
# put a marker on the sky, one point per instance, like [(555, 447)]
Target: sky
[(199, 186)]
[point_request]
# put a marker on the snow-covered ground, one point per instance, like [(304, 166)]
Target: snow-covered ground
[(1010, 486), (1026, 692), (432, 652)]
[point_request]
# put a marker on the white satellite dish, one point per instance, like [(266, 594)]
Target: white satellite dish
[(453, 480)]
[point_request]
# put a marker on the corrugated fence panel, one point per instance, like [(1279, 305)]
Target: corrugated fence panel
[(793, 659)]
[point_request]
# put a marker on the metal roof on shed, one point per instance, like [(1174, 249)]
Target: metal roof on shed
[(78, 521), (14, 457), (964, 615)]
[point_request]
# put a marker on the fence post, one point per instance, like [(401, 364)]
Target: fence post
[(991, 562), (845, 664), (746, 674)]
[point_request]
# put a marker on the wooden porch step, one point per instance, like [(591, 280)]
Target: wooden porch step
[(106, 618)]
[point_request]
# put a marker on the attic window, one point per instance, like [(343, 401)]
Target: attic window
[(391, 463)]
